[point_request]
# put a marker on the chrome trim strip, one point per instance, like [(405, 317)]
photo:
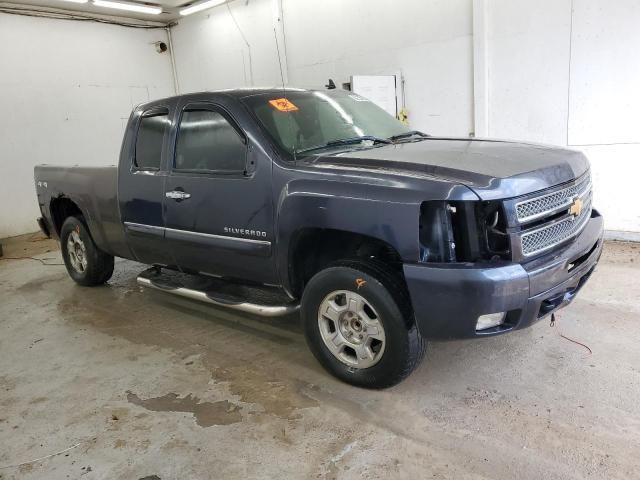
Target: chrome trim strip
[(253, 308), (219, 237), (553, 210), (140, 227)]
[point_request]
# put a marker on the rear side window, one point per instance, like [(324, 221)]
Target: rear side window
[(149, 141), (207, 142)]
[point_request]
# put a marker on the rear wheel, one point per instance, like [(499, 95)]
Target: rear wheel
[(358, 323), (86, 264)]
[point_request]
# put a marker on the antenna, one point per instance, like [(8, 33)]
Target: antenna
[(275, 36), (284, 91)]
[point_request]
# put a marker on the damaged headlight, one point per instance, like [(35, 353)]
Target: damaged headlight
[(463, 231), (436, 233)]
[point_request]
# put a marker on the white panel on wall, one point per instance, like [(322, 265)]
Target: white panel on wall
[(570, 76), (528, 62), (66, 90), (605, 72), (604, 101), (616, 170), (380, 89)]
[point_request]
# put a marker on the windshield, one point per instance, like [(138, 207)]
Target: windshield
[(307, 121)]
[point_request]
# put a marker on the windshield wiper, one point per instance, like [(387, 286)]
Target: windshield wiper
[(346, 141), (412, 133)]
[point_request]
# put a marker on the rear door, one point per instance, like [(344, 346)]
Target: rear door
[(141, 183), (218, 202)]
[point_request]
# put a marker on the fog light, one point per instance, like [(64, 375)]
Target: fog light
[(490, 320)]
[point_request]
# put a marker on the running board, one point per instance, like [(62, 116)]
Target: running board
[(204, 290)]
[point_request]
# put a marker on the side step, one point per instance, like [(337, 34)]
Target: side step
[(272, 302)]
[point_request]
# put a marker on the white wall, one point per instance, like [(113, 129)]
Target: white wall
[(428, 41), (66, 90), (563, 72), (567, 72), (528, 62), (211, 54), (604, 103)]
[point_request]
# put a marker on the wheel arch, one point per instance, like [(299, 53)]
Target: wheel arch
[(61, 208), (312, 249)]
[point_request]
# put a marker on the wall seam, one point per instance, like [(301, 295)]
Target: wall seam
[(569, 72), (480, 78)]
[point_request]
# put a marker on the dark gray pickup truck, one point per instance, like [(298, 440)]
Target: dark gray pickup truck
[(269, 201)]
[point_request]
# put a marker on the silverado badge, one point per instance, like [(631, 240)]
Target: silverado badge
[(576, 208)]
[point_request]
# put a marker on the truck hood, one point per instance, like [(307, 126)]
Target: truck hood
[(493, 169)]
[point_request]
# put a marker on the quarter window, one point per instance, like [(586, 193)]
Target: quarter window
[(207, 142), (149, 141)]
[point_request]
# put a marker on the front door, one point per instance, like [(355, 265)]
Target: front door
[(218, 201)]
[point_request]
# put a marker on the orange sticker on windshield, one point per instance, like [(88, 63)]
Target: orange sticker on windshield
[(283, 105)]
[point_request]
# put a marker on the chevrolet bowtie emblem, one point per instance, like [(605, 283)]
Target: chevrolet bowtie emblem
[(576, 208)]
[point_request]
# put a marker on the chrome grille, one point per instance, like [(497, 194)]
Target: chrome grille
[(544, 205), (554, 233)]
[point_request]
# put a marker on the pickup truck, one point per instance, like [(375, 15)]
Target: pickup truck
[(270, 201)]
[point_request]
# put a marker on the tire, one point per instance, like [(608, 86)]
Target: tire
[(86, 264), (396, 353)]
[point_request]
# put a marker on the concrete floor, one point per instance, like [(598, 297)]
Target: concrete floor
[(116, 382)]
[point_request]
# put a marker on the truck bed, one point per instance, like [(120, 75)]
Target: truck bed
[(94, 190)]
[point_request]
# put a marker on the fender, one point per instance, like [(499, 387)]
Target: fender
[(385, 212)]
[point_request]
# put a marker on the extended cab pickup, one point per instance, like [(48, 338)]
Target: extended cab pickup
[(267, 201)]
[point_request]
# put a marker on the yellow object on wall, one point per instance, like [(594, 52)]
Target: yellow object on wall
[(403, 116)]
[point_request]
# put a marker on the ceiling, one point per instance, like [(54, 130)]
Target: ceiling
[(169, 8)]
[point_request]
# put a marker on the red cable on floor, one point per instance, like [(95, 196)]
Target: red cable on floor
[(576, 342), (553, 324)]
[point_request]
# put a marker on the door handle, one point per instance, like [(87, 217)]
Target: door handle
[(177, 195)]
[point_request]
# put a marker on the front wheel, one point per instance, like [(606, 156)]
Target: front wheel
[(357, 321), (86, 264)]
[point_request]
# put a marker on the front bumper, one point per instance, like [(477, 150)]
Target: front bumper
[(448, 299)]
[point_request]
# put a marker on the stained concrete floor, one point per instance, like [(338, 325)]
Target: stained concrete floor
[(117, 382)]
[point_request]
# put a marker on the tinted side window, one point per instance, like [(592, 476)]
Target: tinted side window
[(149, 141), (208, 142)]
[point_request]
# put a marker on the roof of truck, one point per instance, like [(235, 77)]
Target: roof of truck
[(237, 92), (247, 92)]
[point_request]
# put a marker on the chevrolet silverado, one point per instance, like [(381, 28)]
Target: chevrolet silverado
[(272, 201)]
